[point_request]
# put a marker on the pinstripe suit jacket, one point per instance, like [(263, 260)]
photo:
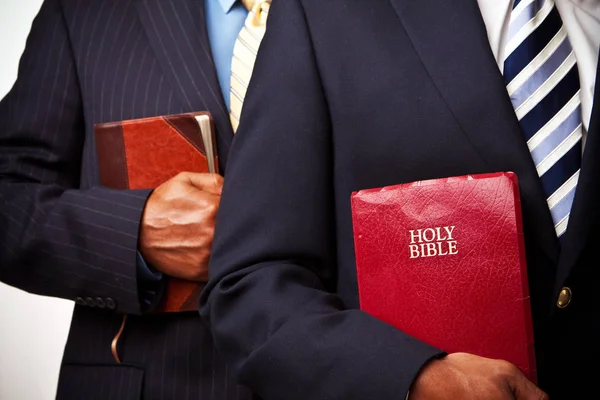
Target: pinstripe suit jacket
[(91, 61)]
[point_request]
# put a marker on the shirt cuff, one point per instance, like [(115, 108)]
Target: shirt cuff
[(150, 285)]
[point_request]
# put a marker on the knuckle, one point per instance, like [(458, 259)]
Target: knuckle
[(209, 239), (208, 205), (505, 368), (209, 233), (180, 176), (213, 207), (205, 245), (201, 271), (219, 180)]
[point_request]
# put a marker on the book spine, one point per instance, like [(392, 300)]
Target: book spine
[(524, 277), (112, 159)]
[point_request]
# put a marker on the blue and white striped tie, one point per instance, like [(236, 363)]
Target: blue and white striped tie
[(543, 83)]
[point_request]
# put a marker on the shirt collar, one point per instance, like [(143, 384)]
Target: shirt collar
[(227, 5)]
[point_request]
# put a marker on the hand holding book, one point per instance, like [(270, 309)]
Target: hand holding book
[(175, 155), (178, 223), (469, 377), (444, 261)]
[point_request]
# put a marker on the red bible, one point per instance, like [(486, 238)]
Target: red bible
[(443, 260), (143, 153)]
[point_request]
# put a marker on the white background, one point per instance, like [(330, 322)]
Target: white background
[(33, 329)]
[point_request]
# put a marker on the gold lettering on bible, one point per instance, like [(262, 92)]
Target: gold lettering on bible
[(432, 242)]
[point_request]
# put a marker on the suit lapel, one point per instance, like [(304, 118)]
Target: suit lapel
[(177, 33), (451, 40), (585, 211)]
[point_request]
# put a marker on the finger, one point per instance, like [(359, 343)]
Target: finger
[(212, 183), (205, 201), (524, 389)]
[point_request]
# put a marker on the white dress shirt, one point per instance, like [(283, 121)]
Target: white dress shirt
[(581, 19)]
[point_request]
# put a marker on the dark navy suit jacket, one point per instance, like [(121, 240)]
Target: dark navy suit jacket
[(91, 61), (355, 94)]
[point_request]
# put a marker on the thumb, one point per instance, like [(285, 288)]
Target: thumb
[(211, 183)]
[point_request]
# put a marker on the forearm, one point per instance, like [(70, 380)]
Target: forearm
[(290, 339), (71, 243), (274, 255), (56, 239)]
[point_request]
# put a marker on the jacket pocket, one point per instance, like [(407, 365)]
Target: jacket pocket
[(100, 382)]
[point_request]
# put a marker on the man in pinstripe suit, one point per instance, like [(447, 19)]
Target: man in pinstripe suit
[(61, 235)]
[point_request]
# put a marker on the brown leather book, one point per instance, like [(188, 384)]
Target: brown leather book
[(144, 153)]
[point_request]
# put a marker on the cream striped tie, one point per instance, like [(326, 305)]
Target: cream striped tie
[(244, 55)]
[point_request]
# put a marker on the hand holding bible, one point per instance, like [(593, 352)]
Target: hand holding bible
[(468, 377), (178, 223)]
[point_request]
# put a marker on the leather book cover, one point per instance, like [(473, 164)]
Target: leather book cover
[(443, 260), (144, 153)]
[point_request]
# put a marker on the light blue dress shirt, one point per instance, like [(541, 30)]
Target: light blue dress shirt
[(224, 20)]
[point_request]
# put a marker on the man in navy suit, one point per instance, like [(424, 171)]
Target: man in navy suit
[(110, 251), (365, 94)]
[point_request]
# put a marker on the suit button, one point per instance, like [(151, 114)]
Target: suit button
[(100, 302), (90, 302), (564, 298), (80, 301), (110, 303)]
